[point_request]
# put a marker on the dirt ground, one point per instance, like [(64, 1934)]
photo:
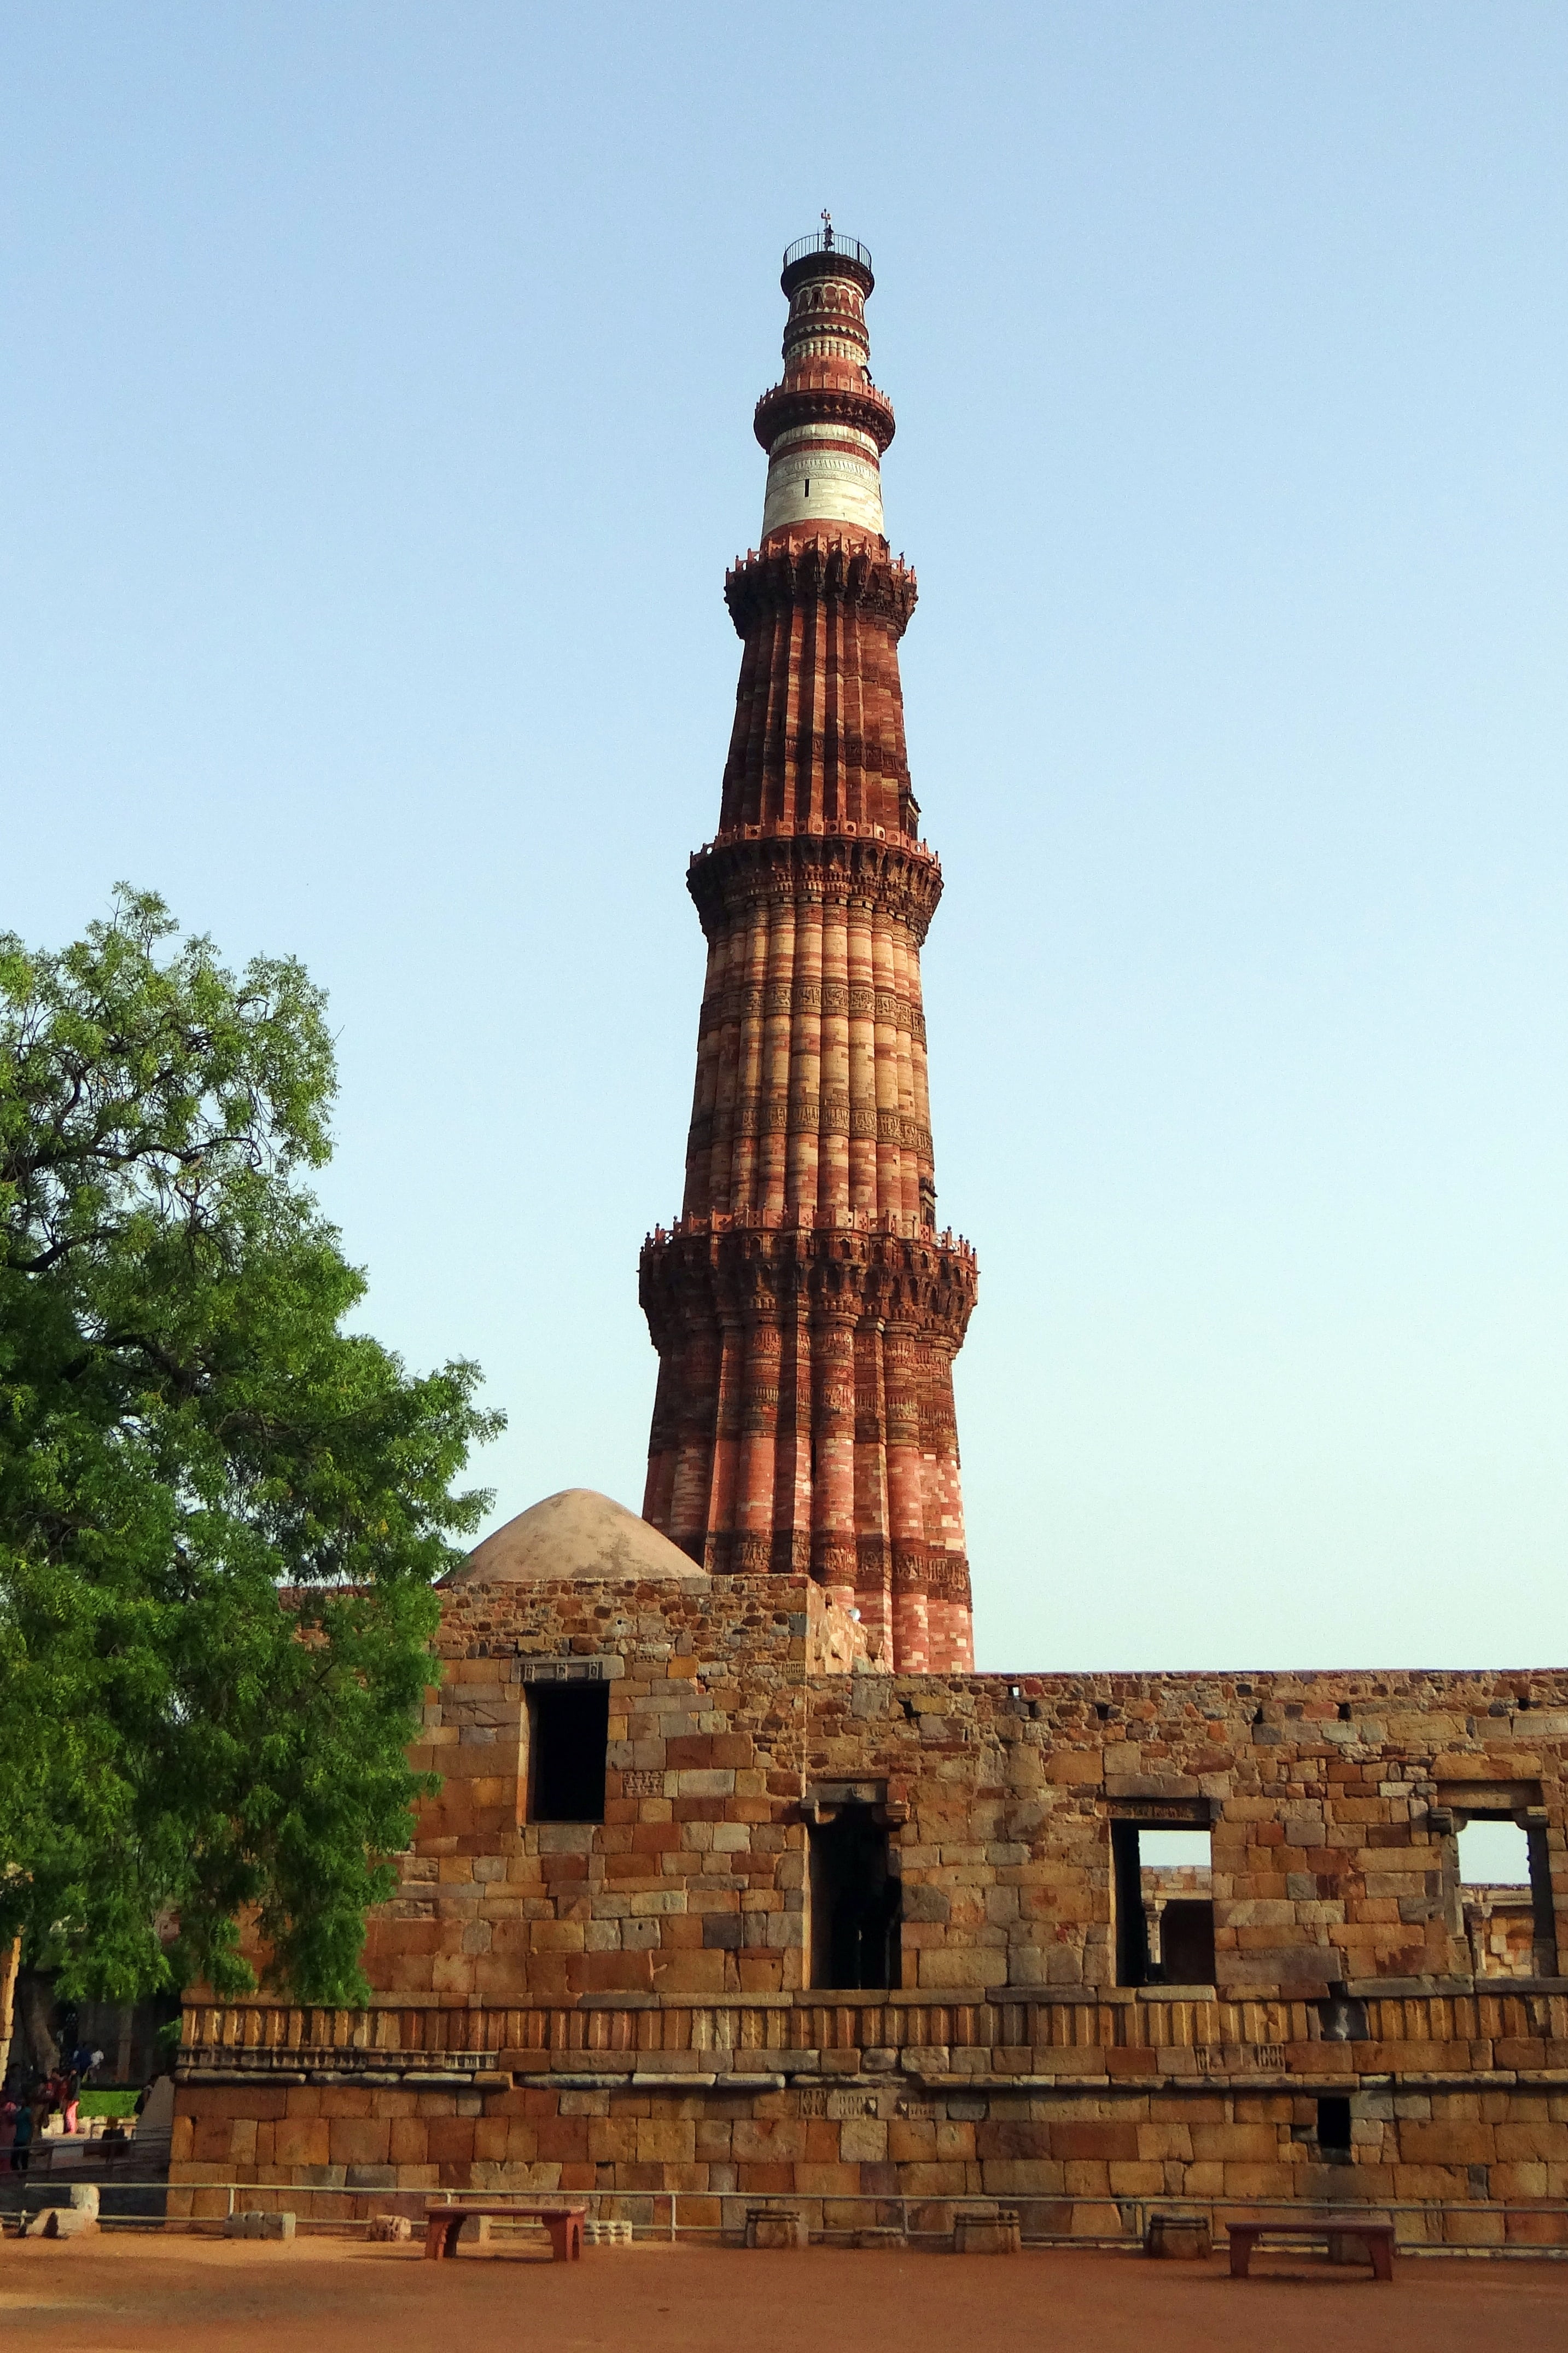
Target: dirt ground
[(169, 2295)]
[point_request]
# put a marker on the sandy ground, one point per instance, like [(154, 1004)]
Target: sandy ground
[(172, 2295)]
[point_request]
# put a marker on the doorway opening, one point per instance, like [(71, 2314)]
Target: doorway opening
[(856, 1904)]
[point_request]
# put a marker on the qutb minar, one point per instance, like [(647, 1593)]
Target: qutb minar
[(805, 1309), (742, 1904)]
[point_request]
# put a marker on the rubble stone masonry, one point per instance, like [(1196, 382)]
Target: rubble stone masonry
[(625, 2006)]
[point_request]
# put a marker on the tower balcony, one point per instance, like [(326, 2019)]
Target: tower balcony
[(827, 255), (809, 1217), (824, 396)]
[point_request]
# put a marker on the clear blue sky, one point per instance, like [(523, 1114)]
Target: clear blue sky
[(377, 385)]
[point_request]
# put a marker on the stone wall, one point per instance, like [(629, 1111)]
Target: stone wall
[(1329, 1800), (622, 2006), (1064, 2102)]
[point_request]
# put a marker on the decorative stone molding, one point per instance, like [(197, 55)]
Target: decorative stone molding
[(814, 396), (893, 877), (820, 570)]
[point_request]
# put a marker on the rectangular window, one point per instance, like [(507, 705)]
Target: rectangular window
[(1505, 1896), (1334, 2125), (1163, 1892), (856, 1904), (568, 1739)]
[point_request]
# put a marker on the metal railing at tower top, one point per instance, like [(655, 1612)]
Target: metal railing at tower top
[(828, 240)]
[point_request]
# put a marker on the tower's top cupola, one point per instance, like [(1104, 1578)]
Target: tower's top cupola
[(825, 425)]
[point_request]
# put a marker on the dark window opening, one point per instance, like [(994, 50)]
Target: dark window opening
[(856, 1904), (1334, 2124), (808, 486), (1162, 1892), (1186, 1943), (568, 1736), (1131, 1929)]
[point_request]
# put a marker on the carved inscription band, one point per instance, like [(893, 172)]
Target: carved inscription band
[(824, 1115), (827, 998)]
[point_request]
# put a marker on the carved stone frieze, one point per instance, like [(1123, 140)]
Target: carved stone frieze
[(806, 1114), (828, 999)]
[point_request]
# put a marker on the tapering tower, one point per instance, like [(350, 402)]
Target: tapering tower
[(805, 1309)]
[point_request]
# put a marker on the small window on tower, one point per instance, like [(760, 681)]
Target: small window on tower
[(808, 486)]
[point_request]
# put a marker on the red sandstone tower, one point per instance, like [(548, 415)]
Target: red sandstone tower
[(805, 1310)]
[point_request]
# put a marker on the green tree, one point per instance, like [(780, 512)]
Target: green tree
[(221, 1512)]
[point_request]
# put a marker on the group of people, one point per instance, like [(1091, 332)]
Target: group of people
[(25, 2112)]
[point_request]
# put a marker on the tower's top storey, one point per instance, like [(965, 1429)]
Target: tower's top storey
[(825, 424)]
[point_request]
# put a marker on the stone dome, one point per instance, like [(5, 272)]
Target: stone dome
[(576, 1534)]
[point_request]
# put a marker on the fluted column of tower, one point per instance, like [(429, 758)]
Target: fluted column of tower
[(805, 1309)]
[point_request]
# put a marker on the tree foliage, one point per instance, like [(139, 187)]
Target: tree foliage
[(221, 1512)]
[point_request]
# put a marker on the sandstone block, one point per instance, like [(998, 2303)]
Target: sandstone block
[(1102, 2141), (979, 2234), (1179, 2238), (256, 2224), (301, 2140), (62, 2222), (358, 2140), (776, 2227)]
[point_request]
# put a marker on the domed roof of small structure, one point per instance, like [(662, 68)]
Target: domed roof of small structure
[(576, 1534)]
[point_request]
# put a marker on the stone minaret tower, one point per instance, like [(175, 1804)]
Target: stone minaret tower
[(805, 1310)]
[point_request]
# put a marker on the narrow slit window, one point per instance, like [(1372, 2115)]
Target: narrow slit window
[(568, 1740)]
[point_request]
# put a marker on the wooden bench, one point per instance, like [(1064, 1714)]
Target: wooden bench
[(1377, 2238), (564, 2224)]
